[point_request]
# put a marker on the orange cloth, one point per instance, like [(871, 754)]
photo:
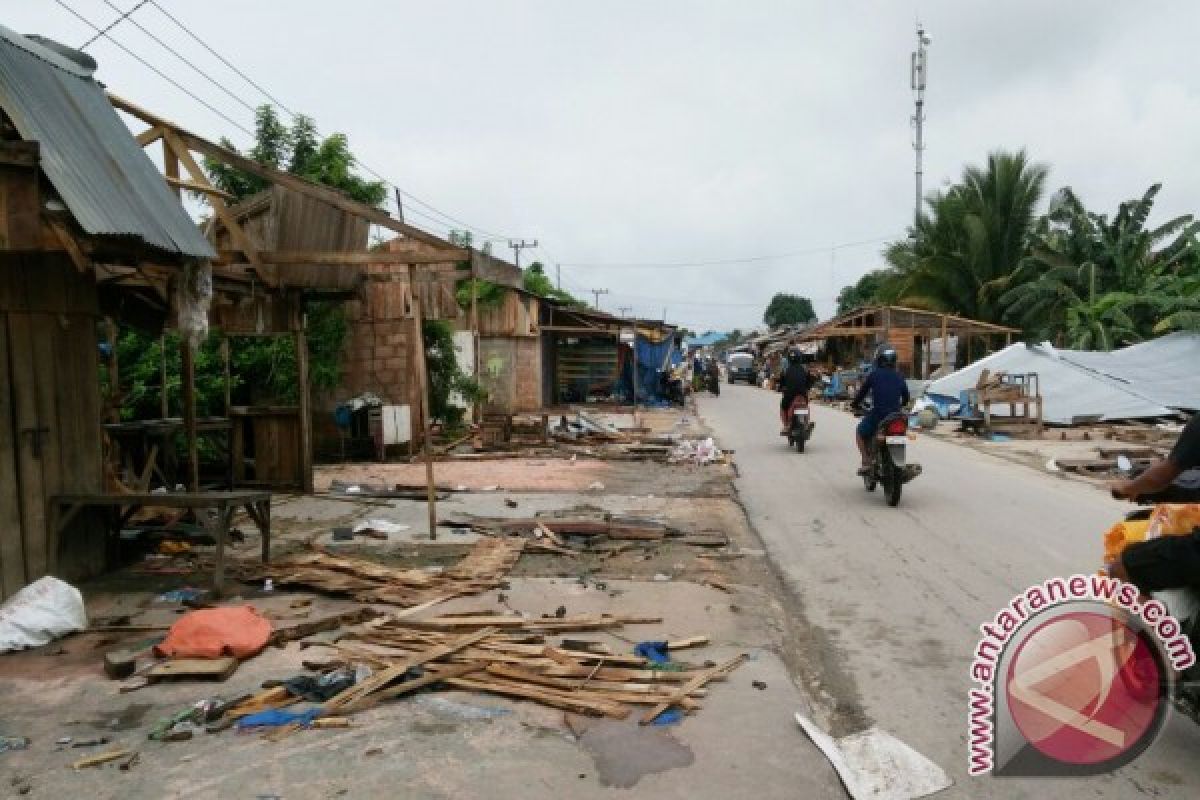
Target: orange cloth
[(215, 632), (1167, 519)]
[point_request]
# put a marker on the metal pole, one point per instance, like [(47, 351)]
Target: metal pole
[(919, 71)]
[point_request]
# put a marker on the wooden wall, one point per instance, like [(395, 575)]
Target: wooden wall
[(510, 369), (50, 435)]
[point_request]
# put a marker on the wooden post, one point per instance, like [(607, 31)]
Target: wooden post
[(189, 413), (422, 404), (164, 393), (477, 406), (945, 344), (114, 373), (171, 167), (305, 394), (635, 378), (228, 374)]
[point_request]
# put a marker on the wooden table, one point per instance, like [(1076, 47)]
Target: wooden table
[(121, 507), (147, 447)]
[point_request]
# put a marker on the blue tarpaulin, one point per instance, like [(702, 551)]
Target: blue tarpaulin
[(653, 360)]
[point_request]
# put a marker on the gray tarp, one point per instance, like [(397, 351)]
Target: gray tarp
[(1072, 392), (1166, 370)]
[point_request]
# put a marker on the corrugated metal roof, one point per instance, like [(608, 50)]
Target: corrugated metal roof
[(111, 186)]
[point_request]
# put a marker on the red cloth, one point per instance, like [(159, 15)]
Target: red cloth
[(215, 632)]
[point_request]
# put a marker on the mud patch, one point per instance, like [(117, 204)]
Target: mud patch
[(624, 751), (125, 719)]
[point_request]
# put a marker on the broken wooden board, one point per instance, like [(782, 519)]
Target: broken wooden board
[(217, 669), (695, 683)]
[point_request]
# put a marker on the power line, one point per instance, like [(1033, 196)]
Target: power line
[(113, 24), (222, 58), (728, 261), (431, 209), (179, 56), (108, 35)]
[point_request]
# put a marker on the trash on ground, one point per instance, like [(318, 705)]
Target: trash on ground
[(874, 764), (237, 631), (40, 613)]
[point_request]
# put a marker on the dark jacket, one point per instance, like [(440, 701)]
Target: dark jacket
[(797, 380)]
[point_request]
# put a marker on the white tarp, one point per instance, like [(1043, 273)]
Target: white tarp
[(40, 613), (1164, 370), (1070, 393)]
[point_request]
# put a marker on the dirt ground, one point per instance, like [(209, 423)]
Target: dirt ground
[(454, 744)]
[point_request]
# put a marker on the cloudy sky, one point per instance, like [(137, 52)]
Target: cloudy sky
[(626, 135)]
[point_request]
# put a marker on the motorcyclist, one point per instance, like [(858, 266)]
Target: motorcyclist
[(795, 381), (1166, 562), (889, 393)]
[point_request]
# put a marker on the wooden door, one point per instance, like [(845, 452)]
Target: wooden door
[(50, 444)]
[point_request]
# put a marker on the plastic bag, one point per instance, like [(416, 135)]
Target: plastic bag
[(40, 613)]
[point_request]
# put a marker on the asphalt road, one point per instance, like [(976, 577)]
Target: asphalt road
[(892, 598)]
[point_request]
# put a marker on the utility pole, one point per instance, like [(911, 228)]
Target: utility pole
[(918, 72), (596, 294), (517, 247), (558, 276)]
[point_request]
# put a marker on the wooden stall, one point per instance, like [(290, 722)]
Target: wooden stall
[(911, 331), (583, 347), (510, 353)]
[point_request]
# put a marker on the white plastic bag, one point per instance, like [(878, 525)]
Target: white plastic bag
[(40, 613)]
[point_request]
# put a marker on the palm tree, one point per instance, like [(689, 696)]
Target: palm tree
[(964, 248)]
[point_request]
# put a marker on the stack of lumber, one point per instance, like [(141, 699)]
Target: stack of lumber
[(507, 655), (483, 568)]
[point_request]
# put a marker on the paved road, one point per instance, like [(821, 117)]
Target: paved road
[(894, 596)]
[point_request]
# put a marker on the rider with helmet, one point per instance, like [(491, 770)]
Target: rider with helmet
[(795, 381), (889, 393)]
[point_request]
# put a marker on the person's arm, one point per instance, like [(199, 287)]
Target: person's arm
[(863, 388), (1185, 455)]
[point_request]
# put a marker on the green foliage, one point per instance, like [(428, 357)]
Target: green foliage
[(536, 281), (962, 251), (878, 287), (1093, 282), (445, 376), (487, 294), (300, 151), (139, 359), (789, 309)]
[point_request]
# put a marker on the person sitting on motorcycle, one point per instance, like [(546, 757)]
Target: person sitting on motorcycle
[(1167, 562), (795, 381), (889, 393)]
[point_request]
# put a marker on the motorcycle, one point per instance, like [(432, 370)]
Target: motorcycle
[(888, 459), (800, 425), (1183, 603)]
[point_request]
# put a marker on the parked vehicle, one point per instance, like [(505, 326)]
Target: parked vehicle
[(801, 425), (741, 368), (889, 465)]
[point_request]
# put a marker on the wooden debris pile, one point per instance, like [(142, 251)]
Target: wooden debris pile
[(483, 568), (509, 655)]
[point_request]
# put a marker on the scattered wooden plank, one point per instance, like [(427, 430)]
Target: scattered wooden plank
[(101, 758), (218, 669), (694, 683), (682, 644), (442, 674), (545, 696)]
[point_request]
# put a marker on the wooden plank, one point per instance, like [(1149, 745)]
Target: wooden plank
[(192, 186), (317, 257), (67, 240), (430, 678), (305, 465), (12, 549), (423, 407), (381, 679), (581, 704), (188, 369), (695, 683), (194, 668), (32, 365), (149, 136)]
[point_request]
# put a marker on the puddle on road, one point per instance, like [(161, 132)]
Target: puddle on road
[(624, 751)]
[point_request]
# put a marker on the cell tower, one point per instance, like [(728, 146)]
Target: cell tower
[(918, 72)]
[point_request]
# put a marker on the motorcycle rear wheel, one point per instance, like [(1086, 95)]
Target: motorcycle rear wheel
[(893, 481)]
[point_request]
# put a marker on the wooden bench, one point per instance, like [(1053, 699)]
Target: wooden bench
[(65, 507)]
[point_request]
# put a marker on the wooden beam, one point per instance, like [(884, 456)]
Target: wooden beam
[(149, 136), (308, 188), (171, 167), (177, 184), (187, 358), (67, 240), (339, 258), (423, 403), (306, 454), (220, 208)]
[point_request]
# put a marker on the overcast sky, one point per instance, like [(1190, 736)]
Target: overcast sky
[(651, 132)]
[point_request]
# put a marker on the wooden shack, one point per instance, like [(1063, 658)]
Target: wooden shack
[(78, 200), (510, 353), (855, 335)]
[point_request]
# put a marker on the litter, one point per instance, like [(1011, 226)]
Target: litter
[(654, 652), (184, 595), (238, 631), (274, 718), (690, 451), (40, 613), (380, 526), (8, 743), (874, 764), (596, 486), (672, 716)]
